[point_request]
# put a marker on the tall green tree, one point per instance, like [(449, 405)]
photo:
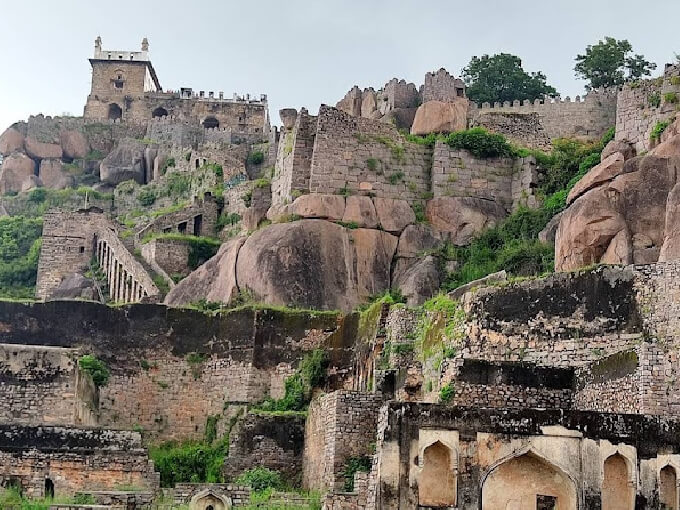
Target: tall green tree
[(501, 78), (611, 63)]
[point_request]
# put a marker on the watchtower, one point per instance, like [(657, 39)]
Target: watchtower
[(119, 78)]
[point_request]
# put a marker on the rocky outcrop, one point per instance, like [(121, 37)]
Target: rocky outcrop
[(331, 207), (213, 281), (628, 215), (604, 172), (462, 218), (440, 117), (418, 280), (52, 174), (393, 214), (42, 150), (11, 140), (416, 239), (75, 286), (17, 173), (123, 163), (622, 146), (360, 210), (74, 144)]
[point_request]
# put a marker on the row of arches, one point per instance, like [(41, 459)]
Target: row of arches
[(115, 112), (530, 482)]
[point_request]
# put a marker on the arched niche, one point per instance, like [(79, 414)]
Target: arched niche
[(159, 112), (208, 498), (617, 487), (668, 488), (115, 111), (211, 122), (437, 478), (528, 481)]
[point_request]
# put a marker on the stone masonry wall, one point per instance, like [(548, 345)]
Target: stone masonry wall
[(587, 117), (522, 129), (641, 105), (170, 369), (340, 425), (508, 181), (359, 154), (73, 459)]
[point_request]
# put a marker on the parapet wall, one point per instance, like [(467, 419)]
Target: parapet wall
[(590, 116)]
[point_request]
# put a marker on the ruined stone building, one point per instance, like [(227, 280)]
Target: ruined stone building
[(557, 392)]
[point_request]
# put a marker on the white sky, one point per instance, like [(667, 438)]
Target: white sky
[(303, 53)]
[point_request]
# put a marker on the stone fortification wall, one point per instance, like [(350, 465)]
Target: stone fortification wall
[(442, 86), (167, 257), (358, 154), (587, 117), (507, 181), (197, 219), (522, 129), (294, 158), (170, 368), (641, 105), (73, 459), (340, 426)]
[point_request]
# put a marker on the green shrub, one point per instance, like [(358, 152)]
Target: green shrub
[(480, 143), (146, 196), (446, 393), (372, 164), (178, 184), (20, 242), (396, 177), (352, 466), (256, 157), (189, 462), (675, 80), (161, 284), (260, 478), (169, 162), (654, 100), (96, 368), (227, 219), (37, 195), (658, 130), (670, 97)]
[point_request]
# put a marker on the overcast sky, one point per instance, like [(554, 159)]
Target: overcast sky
[(304, 53)]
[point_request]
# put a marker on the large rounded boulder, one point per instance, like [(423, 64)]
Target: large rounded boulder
[(17, 173), (123, 163)]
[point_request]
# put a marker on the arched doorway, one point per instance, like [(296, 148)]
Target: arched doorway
[(210, 499), (528, 482), (159, 112), (211, 122), (668, 488), (437, 479), (115, 111), (49, 489), (617, 493)]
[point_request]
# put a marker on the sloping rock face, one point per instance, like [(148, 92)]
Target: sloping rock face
[(53, 175), (308, 263), (123, 163), (623, 213), (462, 218), (17, 173), (440, 117), (11, 140)]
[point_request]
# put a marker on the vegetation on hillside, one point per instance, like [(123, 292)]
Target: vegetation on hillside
[(611, 63), (20, 241), (502, 78), (513, 244)]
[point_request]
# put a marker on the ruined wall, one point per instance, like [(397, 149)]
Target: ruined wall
[(641, 105), (522, 129), (274, 442), (587, 117), (358, 154), (489, 450), (198, 219), (442, 86), (171, 256), (73, 459), (340, 425), (171, 368), (294, 159), (507, 181)]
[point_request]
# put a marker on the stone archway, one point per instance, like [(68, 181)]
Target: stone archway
[(528, 482), (211, 122), (115, 111), (437, 483), (210, 499), (668, 488), (159, 112), (617, 491)]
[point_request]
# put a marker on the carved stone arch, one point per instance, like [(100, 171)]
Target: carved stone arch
[(159, 112), (568, 488), (210, 497), (211, 122)]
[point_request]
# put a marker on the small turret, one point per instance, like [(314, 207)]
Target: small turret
[(145, 44)]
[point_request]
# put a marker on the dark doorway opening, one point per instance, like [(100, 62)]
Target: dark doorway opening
[(49, 489), (115, 111), (198, 224)]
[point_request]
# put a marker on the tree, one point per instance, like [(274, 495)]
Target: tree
[(501, 78), (609, 63)]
